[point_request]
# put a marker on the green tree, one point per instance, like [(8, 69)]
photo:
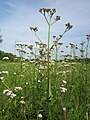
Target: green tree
[(1, 38)]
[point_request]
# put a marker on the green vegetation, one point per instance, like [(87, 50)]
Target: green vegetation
[(41, 88), (1, 38), (9, 55), (28, 85)]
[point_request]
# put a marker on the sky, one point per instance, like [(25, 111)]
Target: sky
[(16, 16)]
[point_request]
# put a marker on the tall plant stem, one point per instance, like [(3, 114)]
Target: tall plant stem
[(56, 62), (87, 116), (48, 71), (87, 48), (5, 85), (70, 53), (38, 38), (56, 52)]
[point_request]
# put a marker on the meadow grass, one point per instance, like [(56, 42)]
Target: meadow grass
[(70, 91)]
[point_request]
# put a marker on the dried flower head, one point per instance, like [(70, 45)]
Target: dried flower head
[(57, 18), (83, 42), (21, 44), (30, 47), (72, 45), (52, 11), (60, 43), (37, 43), (68, 26), (66, 46), (47, 10), (54, 36), (62, 51), (88, 35), (34, 29), (42, 10), (76, 47), (82, 50)]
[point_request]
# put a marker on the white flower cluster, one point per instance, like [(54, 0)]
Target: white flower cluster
[(1, 78), (64, 108), (9, 93), (64, 82), (63, 89), (22, 102), (39, 116), (5, 58), (18, 88), (5, 72)]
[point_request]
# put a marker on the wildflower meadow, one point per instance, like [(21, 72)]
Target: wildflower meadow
[(48, 84)]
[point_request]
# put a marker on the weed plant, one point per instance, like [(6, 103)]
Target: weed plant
[(41, 88)]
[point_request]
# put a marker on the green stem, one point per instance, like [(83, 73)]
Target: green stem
[(70, 53), (56, 62), (5, 85), (38, 38), (48, 72), (56, 52), (59, 38), (87, 47), (87, 115)]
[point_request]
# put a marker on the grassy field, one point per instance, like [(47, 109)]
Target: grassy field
[(24, 90)]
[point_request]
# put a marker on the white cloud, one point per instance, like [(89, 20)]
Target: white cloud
[(10, 4)]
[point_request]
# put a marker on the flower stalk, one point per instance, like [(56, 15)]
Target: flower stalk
[(88, 38)]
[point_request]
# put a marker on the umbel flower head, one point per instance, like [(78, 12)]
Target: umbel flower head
[(88, 36), (68, 26), (83, 42), (72, 45), (9, 93), (47, 10), (30, 47), (60, 43), (34, 29), (57, 18)]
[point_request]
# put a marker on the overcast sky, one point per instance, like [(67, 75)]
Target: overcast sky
[(16, 16)]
